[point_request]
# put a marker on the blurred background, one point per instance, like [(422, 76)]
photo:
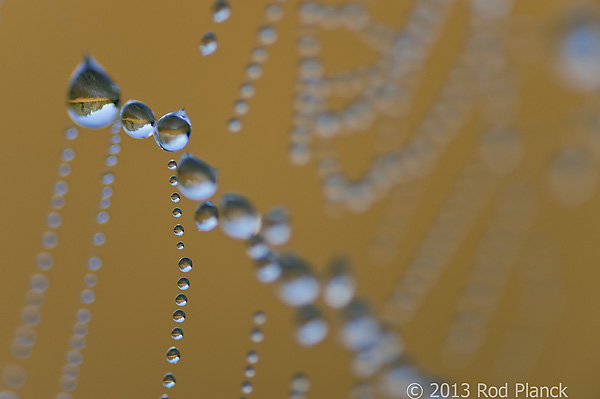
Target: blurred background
[(447, 149)]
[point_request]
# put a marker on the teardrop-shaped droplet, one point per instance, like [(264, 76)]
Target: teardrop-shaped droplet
[(311, 326), (208, 44), (137, 119), (177, 333), (92, 98), (340, 286), (276, 226), (238, 218), (173, 131), (298, 285), (207, 216), (173, 355), (169, 380), (185, 264), (221, 11), (197, 179), (179, 316)]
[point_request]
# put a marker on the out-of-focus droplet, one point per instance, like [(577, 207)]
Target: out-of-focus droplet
[(221, 11), (268, 268), (197, 179), (360, 328), (177, 333), (256, 248), (249, 371), (274, 12), (341, 284), (92, 97), (185, 264), (300, 383), (267, 35), (259, 317), (206, 216), (252, 357), (169, 380), (239, 220), (234, 125), (256, 335), (311, 326), (173, 355), (137, 119), (276, 226), (247, 387), (173, 131), (208, 44), (297, 286), (573, 176)]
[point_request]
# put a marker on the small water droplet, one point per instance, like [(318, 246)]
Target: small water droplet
[(64, 169), (274, 12), (185, 264), (268, 268), (173, 355), (259, 317), (173, 131), (39, 282), (259, 54), (177, 333), (102, 217), (197, 179), (252, 357), (254, 71), (108, 179), (175, 197), (179, 316), (267, 35), (137, 119), (71, 133), (45, 261), (247, 90), (169, 380), (206, 216), (221, 11), (84, 315), (249, 371), (178, 230), (68, 155), (181, 300), (176, 212), (92, 98), (94, 263), (276, 226), (247, 387), (208, 44), (241, 107), (256, 335), (183, 283), (99, 239), (311, 327), (180, 245), (300, 383), (173, 180), (87, 296), (90, 280), (234, 125), (172, 164), (298, 286), (54, 220), (256, 248), (14, 375), (340, 286), (50, 240), (238, 218)]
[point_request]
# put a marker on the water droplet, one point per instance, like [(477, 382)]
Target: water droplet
[(180, 245), (61, 188), (99, 239), (177, 212), (252, 357), (108, 179), (80, 329), (181, 300), (54, 220), (259, 54), (297, 286), (340, 286), (14, 375), (26, 335), (173, 131), (88, 296), (78, 342), (247, 90), (238, 218), (183, 283), (50, 239), (300, 383), (256, 248), (172, 164), (34, 298), (68, 155), (64, 169), (173, 355), (106, 192), (206, 216), (84, 315), (185, 264), (259, 317), (249, 371), (254, 71), (268, 268), (234, 125), (178, 230), (74, 358), (175, 197), (274, 12), (169, 380), (208, 44), (173, 180), (137, 119), (267, 35), (311, 327), (241, 107), (45, 261), (197, 179), (94, 263), (58, 202), (177, 333), (102, 217), (39, 282), (247, 387), (71, 133), (276, 226), (256, 335), (221, 11), (93, 98), (179, 316), (360, 329)]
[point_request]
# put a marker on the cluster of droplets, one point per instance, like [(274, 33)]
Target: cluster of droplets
[(25, 335), (77, 341)]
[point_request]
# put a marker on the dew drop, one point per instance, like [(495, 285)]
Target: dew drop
[(183, 283), (177, 212), (311, 327), (172, 164), (340, 286), (252, 357), (14, 375), (240, 107), (259, 317), (197, 179), (173, 355), (267, 35), (137, 119), (247, 90), (178, 230), (179, 316), (249, 371), (50, 239), (39, 282), (234, 125), (94, 263), (54, 220), (45, 261), (173, 131), (256, 248), (71, 133), (206, 216), (276, 226), (247, 387), (239, 220), (181, 300), (169, 380), (92, 98), (177, 333), (221, 11), (180, 245), (173, 180), (274, 12), (175, 197), (297, 286), (208, 44), (300, 383), (268, 268), (185, 264)]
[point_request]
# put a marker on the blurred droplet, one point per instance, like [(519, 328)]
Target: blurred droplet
[(197, 179), (208, 44), (276, 226), (297, 286), (221, 11), (311, 326), (239, 220), (340, 286), (206, 216)]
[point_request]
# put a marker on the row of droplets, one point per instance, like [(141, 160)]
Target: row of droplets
[(256, 335)]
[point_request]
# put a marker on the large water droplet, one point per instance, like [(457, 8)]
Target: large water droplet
[(221, 11), (173, 131), (92, 98), (256, 248), (208, 44), (197, 179), (311, 327), (276, 226), (238, 218), (298, 286), (206, 216), (169, 380), (137, 119), (173, 355)]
